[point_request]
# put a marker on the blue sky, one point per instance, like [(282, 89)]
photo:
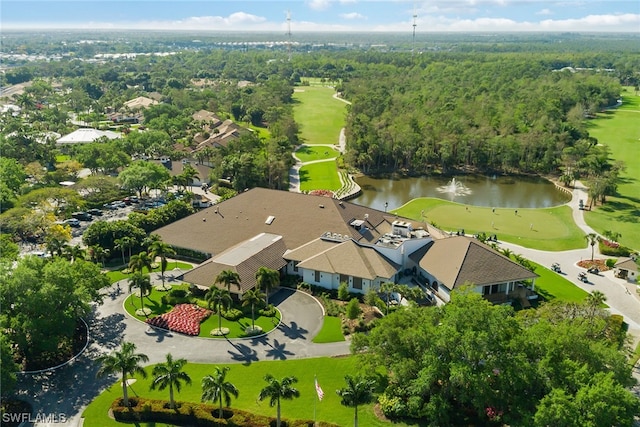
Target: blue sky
[(326, 15)]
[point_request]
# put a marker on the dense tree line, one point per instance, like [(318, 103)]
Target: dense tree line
[(504, 113), (563, 364)]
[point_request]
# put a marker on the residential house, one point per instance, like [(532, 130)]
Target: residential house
[(626, 268)]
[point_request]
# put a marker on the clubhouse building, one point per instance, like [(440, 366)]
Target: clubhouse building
[(326, 242)]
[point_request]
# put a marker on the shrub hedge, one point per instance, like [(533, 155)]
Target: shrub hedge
[(196, 414)]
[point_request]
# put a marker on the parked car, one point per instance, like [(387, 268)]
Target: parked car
[(95, 212), (82, 216), (72, 222)]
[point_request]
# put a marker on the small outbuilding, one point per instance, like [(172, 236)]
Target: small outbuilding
[(626, 268)]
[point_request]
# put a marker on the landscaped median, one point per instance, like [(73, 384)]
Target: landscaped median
[(180, 311)]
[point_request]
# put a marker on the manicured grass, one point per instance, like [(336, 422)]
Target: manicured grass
[(309, 153), (319, 116), (236, 328), (263, 133), (249, 381), (552, 285), (331, 331), (62, 158), (553, 228), (320, 176), (619, 129), (117, 275)]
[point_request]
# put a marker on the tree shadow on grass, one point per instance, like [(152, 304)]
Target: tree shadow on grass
[(304, 175)]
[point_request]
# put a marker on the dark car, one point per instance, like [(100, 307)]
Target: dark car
[(82, 216), (95, 212), (72, 222)]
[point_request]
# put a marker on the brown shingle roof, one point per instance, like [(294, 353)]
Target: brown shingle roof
[(245, 258), (309, 249), (351, 259), (627, 264), (299, 218), (457, 260)]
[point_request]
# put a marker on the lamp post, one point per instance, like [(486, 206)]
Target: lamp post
[(386, 205)]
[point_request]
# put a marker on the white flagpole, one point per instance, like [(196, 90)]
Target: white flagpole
[(315, 401)]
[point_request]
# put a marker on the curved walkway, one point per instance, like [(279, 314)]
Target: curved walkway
[(70, 389)]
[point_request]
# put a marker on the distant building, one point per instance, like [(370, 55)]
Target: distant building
[(86, 135), (140, 103)]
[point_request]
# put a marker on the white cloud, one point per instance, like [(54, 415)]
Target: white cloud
[(319, 4), (544, 12), (352, 15)]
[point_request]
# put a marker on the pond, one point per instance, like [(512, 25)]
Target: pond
[(477, 190)]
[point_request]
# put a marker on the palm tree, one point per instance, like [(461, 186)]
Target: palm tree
[(122, 244), (227, 278), (161, 249), (140, 261), (592, 238), (357, 392), (73, 253), (98, 253), (170, 374), (252, 297), (388, 288), (143, 283), (189, 174), (125, 361), (277, 390), (217, 298), (593, 301), (267, 279), (216, 388)]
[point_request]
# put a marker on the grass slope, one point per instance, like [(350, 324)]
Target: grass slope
[(619, 129), (553, 228), (552, 285), (309, 153), (319, 116), (320, 176), (249, 381)]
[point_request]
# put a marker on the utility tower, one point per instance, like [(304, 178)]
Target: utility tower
[(413, 41), (289, 34)]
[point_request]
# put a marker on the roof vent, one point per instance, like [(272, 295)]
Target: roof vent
[(321, 206), (270, 219)]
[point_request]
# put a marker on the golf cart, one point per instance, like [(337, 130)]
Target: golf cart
[(582, 276), (556, 267), (593, 270)]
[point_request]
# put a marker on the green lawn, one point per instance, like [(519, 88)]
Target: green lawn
[(248, 379), (331, 331), (236, 328), (309, 153), (117, 275), (553, 228), (319, 116), (620, 130), (552, 285), (320, 176)]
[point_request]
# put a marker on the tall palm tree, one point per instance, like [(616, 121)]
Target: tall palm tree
[(217, 298), (388, 288), (267, 279), (161, 249), (357, 392), (125, 361), (98, 254), (170, 374), (216, 388), (277, 390), (143, 283), (593, 301), (122, 244), (252, 297), (140, 261), (189, 174), (592, 238), (227, 278)]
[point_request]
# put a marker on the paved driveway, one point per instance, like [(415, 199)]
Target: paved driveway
[(69, 389)]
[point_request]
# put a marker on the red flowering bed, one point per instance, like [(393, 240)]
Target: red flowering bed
[(184, 318), (325, 193), (610, 244)]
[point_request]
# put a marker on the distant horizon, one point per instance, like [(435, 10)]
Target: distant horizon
[(323, 16)]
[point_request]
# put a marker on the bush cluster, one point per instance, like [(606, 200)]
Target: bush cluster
[(613, 249), (267, 311), (143, 410)]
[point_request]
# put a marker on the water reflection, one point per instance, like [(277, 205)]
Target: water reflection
[(508, 192)]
